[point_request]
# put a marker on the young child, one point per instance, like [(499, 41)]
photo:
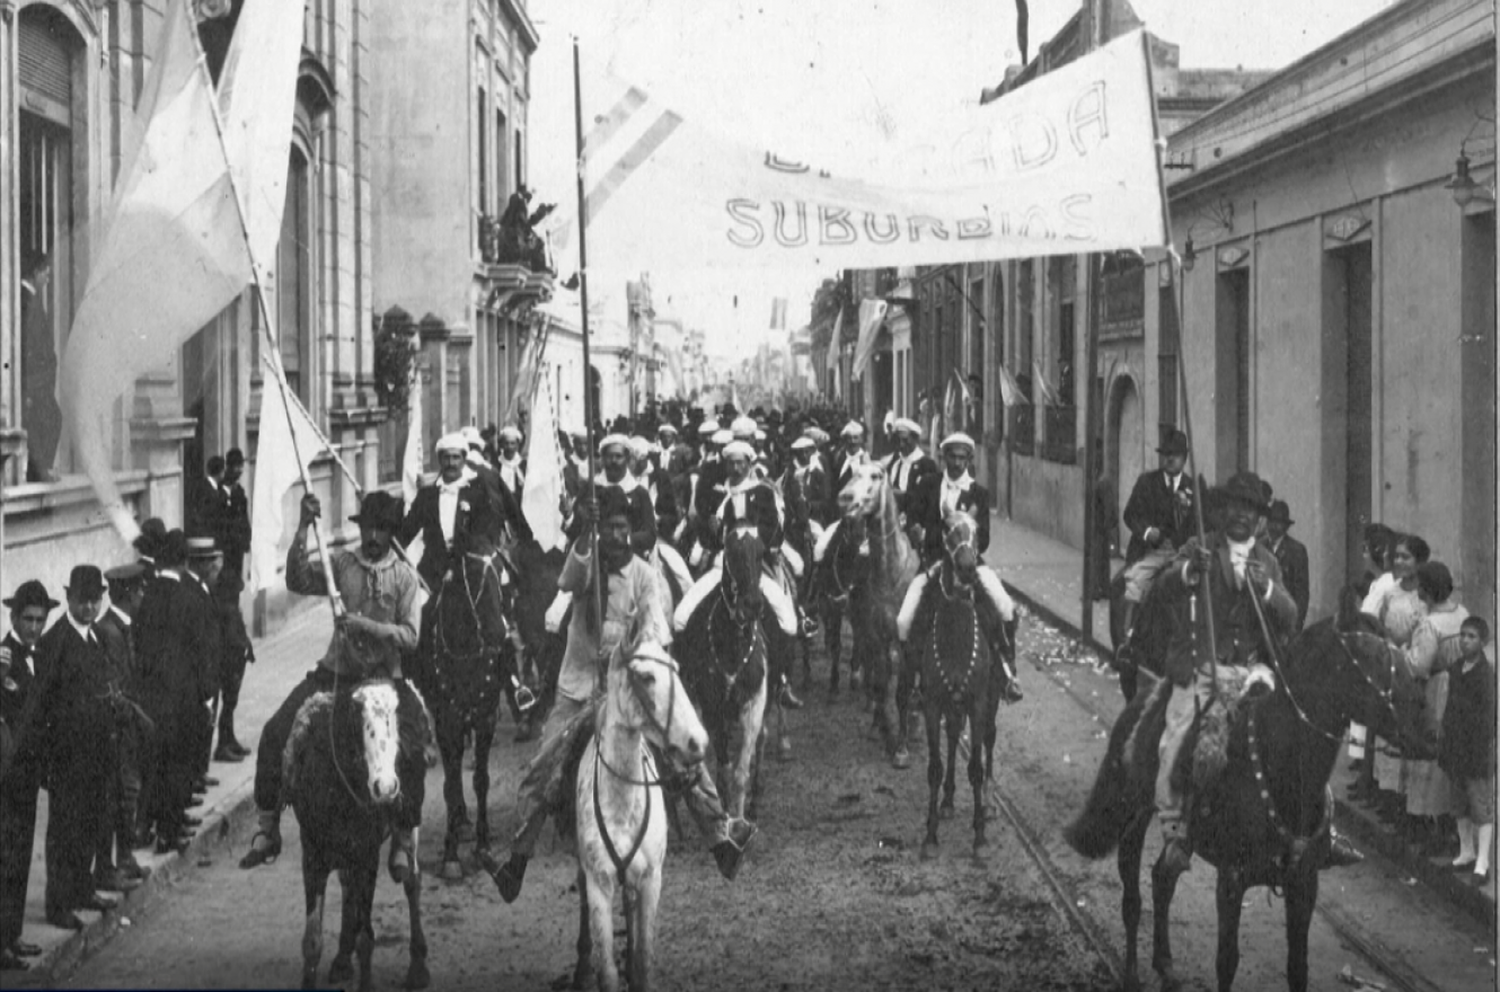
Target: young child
[(1467, 749)]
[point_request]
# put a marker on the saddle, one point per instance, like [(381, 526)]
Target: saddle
[(1205, 752)]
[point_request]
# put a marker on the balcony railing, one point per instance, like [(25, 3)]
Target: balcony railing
[(1061, 440)]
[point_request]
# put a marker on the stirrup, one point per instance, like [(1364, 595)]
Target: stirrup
[(255, 857)]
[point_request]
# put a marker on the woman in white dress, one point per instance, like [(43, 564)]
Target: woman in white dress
[(1400, 609), (1432, 651)]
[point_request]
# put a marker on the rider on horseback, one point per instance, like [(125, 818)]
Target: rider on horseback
[(632, 592), (1159, 514), (379, 592), (908, 465), (932, 500), (1237, 569)]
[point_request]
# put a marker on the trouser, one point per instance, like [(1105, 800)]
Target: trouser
[(232, 664), (76, 782), (542, 784), (1141, 576), (1183, 707), (17, 836), (173, 764), (113, 800), (411, 766)]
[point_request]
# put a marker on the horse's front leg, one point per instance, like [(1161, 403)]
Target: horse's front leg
[(484, 736), (583, 969), (1163, 887), (976, 772), (643, 930), (1230, 893), (752, 719), (833, 643), (341, 969), (417, 975), (1128, 861), (906, 680), (934, 724), (364, 923), (451, 747), (950, 781), (601, 899), (1301, 900), (315, 890)]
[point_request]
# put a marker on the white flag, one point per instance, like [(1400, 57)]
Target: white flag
[(171, 257), (541, 497), (871, 313), (411, 462), (257, 100), (1065, 164), (277, 472)]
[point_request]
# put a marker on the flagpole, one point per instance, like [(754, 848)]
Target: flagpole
[(335, 601), (589, 413)]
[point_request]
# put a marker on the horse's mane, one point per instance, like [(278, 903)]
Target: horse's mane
[(895, 548)]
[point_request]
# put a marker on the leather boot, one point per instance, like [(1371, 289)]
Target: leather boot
[(1123, 654), (1341, 853)]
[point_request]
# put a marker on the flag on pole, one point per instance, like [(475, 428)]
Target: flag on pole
[(1010, 389), (831, 357), (778, 314), (172, 255), (257, 100), (541, 498), (411, 460), (1050, 396), (527, 371), (277, 471), (871, 313), (1065, 164)]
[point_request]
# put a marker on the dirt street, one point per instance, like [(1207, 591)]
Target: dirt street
[(833, 895)]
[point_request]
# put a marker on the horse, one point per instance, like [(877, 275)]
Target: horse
[(620, 810), (958, 677), (802, 533), (871, 533), (722, 651), (1154, 627), (1265, 818), (342, 782), (469, 663)]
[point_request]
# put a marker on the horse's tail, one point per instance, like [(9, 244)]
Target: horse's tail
[(1114, 800)]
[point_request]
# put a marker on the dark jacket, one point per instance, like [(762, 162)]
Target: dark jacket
[(175, 628), (920, 469), (68, 705), (755, 505), (1291, 555), (711, 487), (924, 507), (1236, 628), (1466, 748), (1153, 504), (642, 518), (477, 525), (13, 707)]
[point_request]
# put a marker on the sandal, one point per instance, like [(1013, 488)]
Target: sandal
[(257, 856)]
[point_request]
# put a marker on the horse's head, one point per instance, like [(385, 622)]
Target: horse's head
[(865, 492), (1385, 695), (743, 552), (375, 702), (960, 544), (647, 695)]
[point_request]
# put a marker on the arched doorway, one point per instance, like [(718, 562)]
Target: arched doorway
[(1127, 445)]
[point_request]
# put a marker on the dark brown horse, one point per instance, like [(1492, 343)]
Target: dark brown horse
[(870, 532), (958, 678), (1263, 820), (345, 761), (723, 656), (1155, 623)]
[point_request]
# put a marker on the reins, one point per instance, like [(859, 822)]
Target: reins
[(1297, 844)]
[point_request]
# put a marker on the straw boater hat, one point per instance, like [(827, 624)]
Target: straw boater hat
[(907, 425), (852, 429), (708, 428), (804, 443), (958, 440), (739, 449), (743, 428), (471, 436), (640, 447), (666, 429), (510, 433), (614, 441), (199, 548), (452, 442), (721, 438)]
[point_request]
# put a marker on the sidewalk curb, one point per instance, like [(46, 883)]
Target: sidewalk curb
[(220, 823), (1346, 818)]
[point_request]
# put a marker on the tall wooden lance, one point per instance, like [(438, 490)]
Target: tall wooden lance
[(589, 413)]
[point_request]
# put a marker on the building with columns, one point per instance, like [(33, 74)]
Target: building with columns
[(71, 72)]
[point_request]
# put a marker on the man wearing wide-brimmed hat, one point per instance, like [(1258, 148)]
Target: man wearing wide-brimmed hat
[(20, 782), (68, 725), (1159, 514), (1237, 568), (379, 627)]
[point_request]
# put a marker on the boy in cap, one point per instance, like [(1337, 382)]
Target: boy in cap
[(379, 626), (20, 783), (68, 725)]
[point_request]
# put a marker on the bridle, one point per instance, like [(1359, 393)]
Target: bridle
[(757, 637), (1386, 695)]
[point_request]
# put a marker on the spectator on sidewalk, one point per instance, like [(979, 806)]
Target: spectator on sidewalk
[(1433, 650), (233, 535), (205, 563), (1291, 554), (1369, 586), (1399, 608), (1467, 749), (115, 865), (69, 727), (19, 781)]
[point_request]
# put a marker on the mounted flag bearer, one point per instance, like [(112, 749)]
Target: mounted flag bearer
[(379, 593)]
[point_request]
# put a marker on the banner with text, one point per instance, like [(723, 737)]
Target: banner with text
[(1065, 164)]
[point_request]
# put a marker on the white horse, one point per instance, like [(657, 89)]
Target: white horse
[(621, 811)]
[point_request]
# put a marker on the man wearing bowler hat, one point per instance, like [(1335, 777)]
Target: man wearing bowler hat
[(1291, 555), (68, 725), (1159, 514), (379, 591), (21, 781)]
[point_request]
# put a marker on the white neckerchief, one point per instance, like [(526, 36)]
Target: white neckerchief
[(1239, 555), (628, 484), (448, 501), (951, 490), (85, 632), (903, 465), (510, 472)]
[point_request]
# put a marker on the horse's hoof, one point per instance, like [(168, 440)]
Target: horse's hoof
[(901, 759), (417, 976), (452, 871), (340, 971), (929, 850)]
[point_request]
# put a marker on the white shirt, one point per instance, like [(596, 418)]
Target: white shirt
[(448, 503), (510, 473), (951, 490), (901, 466), (1173, 481), (1239, 555)]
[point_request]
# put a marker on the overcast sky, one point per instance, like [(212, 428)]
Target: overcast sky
[(821, 78)]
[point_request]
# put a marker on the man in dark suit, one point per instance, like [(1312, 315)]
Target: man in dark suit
[(1291, 555), (1159, 514), (20, 783), (205, 563), (68, 725), (115, 867), (852, 441), (456, 514), (811, 480), (908, 465), (931, 502), (233, 535), (1236, 568), (614, 461)]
